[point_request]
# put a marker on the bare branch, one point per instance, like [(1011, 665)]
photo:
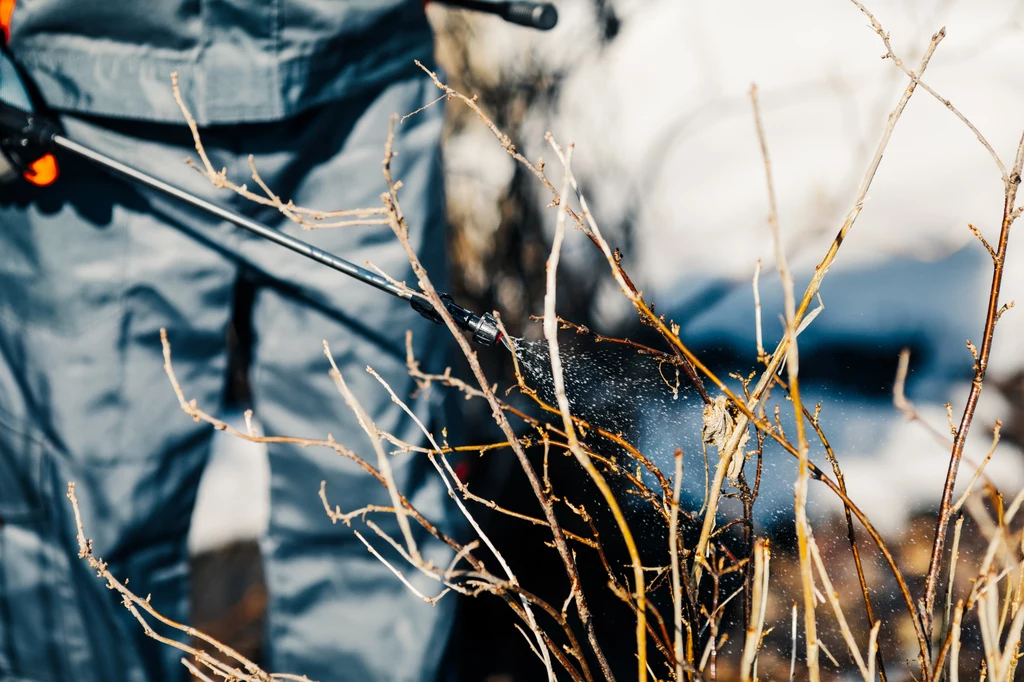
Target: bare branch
[(383, 464), (916, 79), (551, 334)]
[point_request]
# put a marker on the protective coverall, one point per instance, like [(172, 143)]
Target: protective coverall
[(92, 267)]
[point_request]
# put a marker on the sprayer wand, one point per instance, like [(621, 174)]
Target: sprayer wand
[(26, 136)]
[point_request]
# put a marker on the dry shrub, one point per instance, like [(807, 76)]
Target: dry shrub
[(712, 600)]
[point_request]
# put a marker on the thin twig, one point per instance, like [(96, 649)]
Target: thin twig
[(398, 574), (837, 609), (383, 464), (137, 606), (805, 541), (981, 367), (916, 78), (759, 605), (792, 646), (551, 333), (308, 218), (954, 650), (979, 470), (673, 547), (761, 355), (1011, 182)]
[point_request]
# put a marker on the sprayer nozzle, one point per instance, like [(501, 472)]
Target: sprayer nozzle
[(483, 327)]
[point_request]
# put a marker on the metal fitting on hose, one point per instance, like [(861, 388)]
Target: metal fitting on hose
[(484, 328)]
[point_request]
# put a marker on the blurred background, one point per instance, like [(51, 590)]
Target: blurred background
[(655, 96)]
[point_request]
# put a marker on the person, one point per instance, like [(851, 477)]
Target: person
[(92, 267)]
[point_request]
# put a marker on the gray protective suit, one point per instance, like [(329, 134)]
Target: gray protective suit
[(92, 267)]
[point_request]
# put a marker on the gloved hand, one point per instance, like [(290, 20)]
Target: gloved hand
[(18, 157)]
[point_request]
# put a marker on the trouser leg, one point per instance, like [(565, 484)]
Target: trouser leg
[(90, 270), (335, 611)]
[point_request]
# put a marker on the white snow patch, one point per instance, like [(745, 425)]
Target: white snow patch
[(233, 502)]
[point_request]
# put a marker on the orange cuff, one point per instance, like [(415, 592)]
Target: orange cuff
[(43, 171), (6, 10)]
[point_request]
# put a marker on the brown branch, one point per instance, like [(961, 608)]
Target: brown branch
[(805, 541), (296, 214), (137, 606), (851, 218), (401, 230), (383, 463), (1011, 181), (984, 242), (981, 366), (191, 408), (916, 79)]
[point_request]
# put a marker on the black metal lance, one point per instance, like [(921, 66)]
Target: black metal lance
[(26, 136)]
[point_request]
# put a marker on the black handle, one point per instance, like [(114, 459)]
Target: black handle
[(539, 15), (24, 136), (542, 16)]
